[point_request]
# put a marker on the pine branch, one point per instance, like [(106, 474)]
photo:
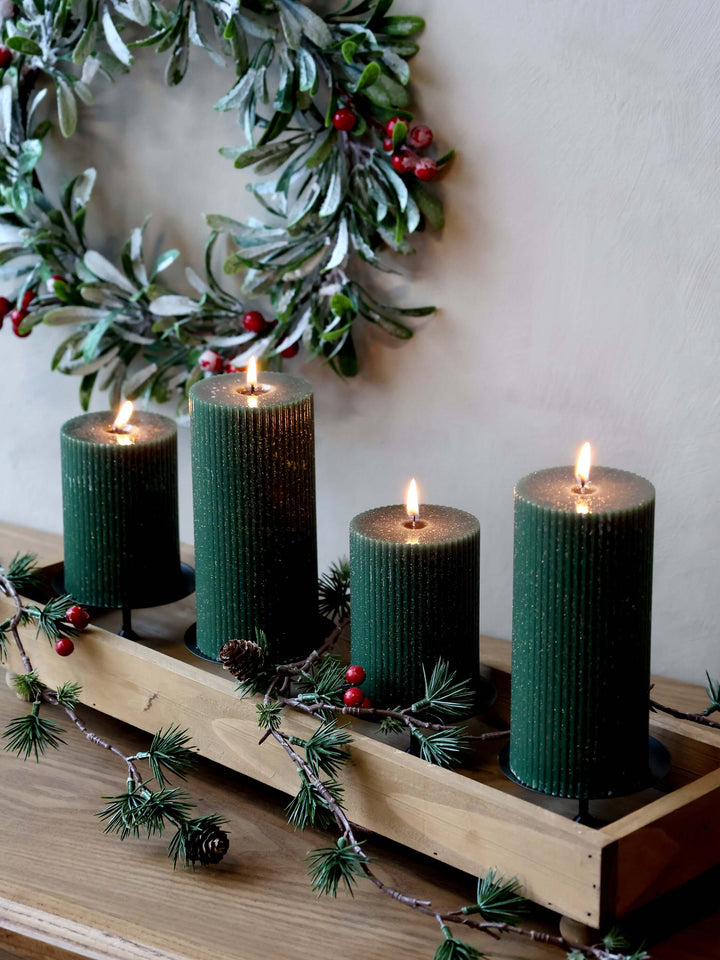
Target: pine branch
[(32, 735), (334, 591), (138, 808), (453, 949), (332, 866), (498, 899), (713, 693), (444, 748), (308, 808), (28, 686), (68, 694), (444, 693), (169, 751), (324, 683), (325, 750), (22, 572), (51, 618)]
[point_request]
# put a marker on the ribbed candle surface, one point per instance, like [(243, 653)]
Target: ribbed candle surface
[(253, 466), (120, 510), (415, 598), (582, 595)]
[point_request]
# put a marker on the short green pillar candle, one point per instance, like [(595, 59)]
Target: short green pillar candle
[(415, 598), (253, 469), (120, 510), (582, 590)]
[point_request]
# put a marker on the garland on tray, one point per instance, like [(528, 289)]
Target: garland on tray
[(323, 104), (321, 686), (148, 804)]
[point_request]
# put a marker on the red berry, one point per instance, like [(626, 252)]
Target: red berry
[(254, 321), (344, 119), (355, 674), (27, 299), (229, 367), (420, 137), (390, 125), (353, 697), (211, 361), (77, 616), (64, 646), (16, 318), (5, 307), (5, 57), (388, 144), (291, 351), (404, 161), (426, 169), (366, 704)]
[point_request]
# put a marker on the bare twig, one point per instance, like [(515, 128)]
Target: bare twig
[(700, 718)]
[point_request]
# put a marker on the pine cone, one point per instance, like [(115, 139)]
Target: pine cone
[(207, 845), (243, 658)]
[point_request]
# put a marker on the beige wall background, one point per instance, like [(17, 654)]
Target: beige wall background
[(578, 276)]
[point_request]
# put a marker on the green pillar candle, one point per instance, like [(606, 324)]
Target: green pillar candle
[(581, 632), (253, 467), (415, 598), (120, 510)]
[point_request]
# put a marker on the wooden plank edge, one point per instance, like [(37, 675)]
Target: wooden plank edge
[(23, 926), (654, 855)]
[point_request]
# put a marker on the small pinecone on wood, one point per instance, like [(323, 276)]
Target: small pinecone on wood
[(207, 845), (243, 658)]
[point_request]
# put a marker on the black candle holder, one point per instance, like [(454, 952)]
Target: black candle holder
[(659, 763), (184, 586)]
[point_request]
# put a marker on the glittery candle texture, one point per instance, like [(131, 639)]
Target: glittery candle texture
[(120, 510), (253, 467), (415, 598), (582, 595)]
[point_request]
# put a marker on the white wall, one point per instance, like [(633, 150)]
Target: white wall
[(579, 279)]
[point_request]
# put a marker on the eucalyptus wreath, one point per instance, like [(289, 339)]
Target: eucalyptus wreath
[(323, 103)]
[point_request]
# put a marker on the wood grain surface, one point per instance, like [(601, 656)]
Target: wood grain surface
[(68, 890)]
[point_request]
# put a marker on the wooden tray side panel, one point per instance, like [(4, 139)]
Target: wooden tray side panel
[(461, 822), (657, 852)]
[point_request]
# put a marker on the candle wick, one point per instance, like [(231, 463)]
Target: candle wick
[(414, 518)]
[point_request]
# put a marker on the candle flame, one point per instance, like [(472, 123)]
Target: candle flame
[(123, 417), (251, 375), (582, 468), (411, 503)]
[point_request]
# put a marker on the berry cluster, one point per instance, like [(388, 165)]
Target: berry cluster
[(353, 696), (405, 158), (17, 312), (21, 309), (254, 322), (78, 618)]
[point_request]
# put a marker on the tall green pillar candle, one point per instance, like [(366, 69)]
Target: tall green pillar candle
[(415, 598), (253, 468), (581, 632), (120, 510)]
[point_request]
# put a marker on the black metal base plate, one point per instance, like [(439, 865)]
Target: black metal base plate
[(191, 644), (659, 763), (185, 586)]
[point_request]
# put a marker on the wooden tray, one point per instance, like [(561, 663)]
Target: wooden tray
[(472, 819)]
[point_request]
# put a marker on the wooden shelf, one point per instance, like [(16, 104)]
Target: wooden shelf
[(472, 820)]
